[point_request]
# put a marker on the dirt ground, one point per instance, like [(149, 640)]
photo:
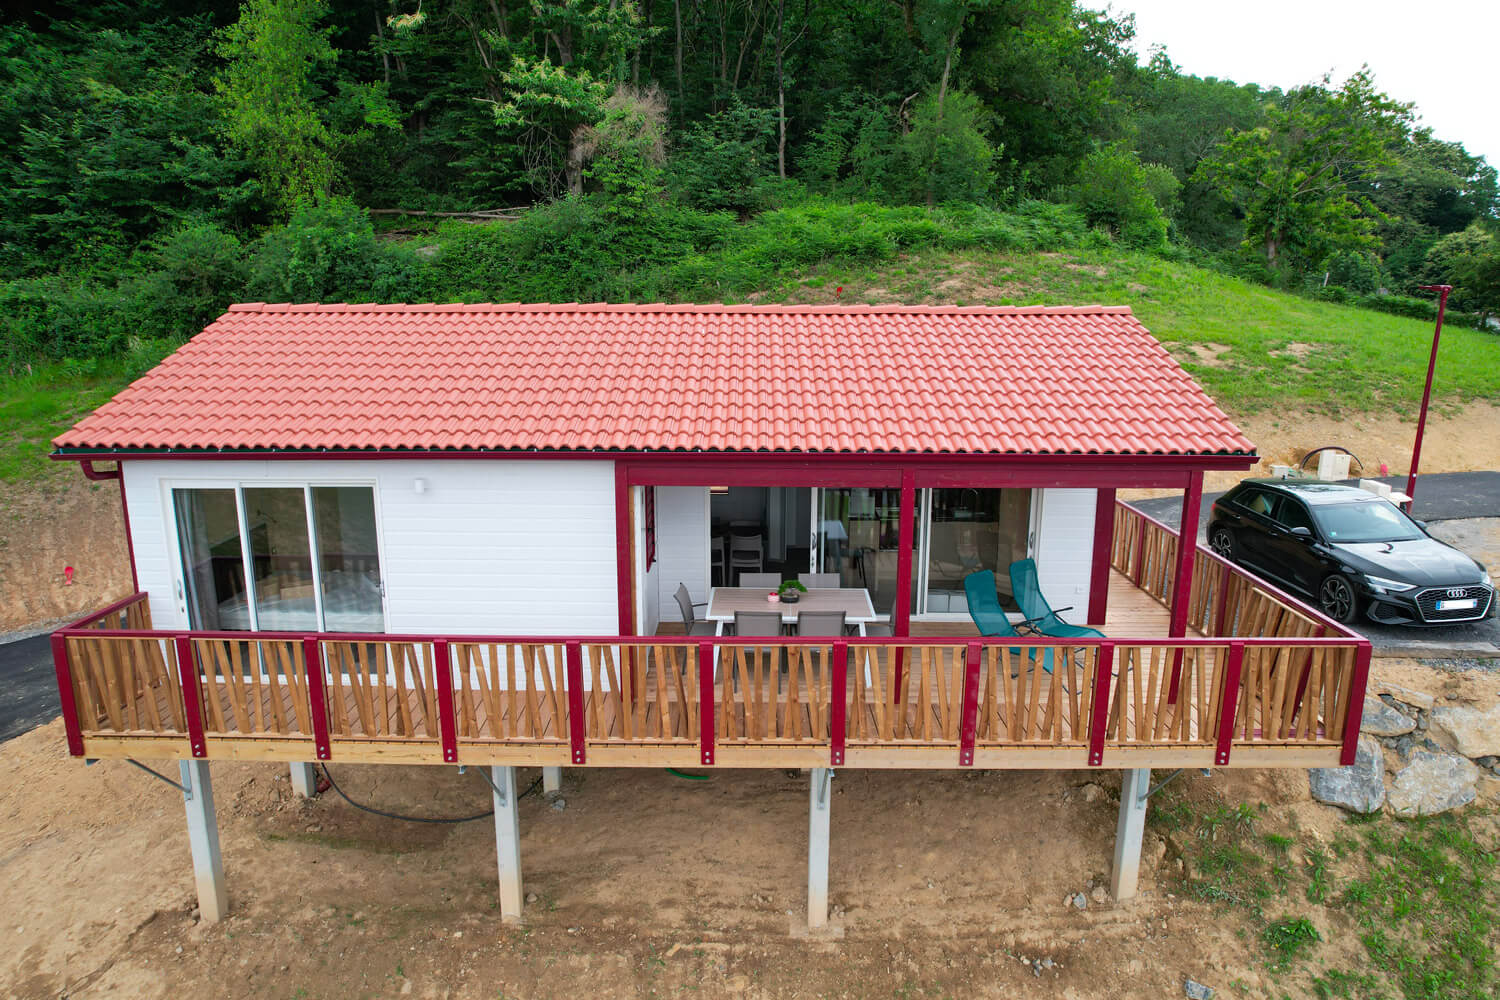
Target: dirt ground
[(944, 884)]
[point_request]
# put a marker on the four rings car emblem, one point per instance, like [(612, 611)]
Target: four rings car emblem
[(1457, 591)]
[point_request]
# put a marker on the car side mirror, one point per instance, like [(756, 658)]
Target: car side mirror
[(1303, 532), (1421, 524)]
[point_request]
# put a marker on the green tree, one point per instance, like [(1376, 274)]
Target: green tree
[(723, 160), (625, 151), (1293, 177), (948, 157), (1469, 261), (1133, 199)]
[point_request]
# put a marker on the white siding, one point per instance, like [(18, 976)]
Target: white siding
[(681, 544), (1065, 549), (495, 547)]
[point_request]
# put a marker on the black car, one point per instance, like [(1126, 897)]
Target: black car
[(1349, 550)]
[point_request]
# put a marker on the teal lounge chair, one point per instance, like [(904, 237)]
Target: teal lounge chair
[(1025, 585), (990, 618)]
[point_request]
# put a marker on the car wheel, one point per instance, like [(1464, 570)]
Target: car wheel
[(1336, 598), (1221, 540)]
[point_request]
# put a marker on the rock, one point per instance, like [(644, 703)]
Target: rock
[(1380, 719), (559, 804), (1416, 699), (1091, 792), (1487, 761), (531, 897), (1197, 991), (1433, 783), (1098, 895), (1403, 746), (1359, 787), (1473, 733), (1080, 901)]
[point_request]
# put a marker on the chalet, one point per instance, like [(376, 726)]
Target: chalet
[(551, 535)]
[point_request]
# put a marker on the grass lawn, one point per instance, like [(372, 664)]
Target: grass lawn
[(1416, 903), (36, 407), (1251, 347)]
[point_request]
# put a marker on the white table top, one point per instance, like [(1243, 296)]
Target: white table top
[(854, 602)]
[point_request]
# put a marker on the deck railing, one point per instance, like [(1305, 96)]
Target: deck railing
[(616, 700)]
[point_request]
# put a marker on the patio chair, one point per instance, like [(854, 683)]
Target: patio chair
[(991, 619), (690, 620), (1026, 585), (745, 553), (820, 623), (820, 581), (758, 624), (761, 581)]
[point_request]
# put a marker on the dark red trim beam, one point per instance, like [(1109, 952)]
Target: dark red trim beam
[(624, 565), (1104, 538)]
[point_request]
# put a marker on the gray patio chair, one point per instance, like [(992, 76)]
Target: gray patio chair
[(820, 623), (760, 581), (821, 581), (758, 624), (745, 553), (690, 620)]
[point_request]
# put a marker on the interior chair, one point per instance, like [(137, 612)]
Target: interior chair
[(821, 581), (690, 620), (991, 619), (761, 581), (718, 564), (745, 554), (1026, 585)]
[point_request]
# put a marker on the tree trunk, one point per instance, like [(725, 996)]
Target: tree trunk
[(780, 93), (941, 100), (677, 16), (385, 57), (573, 166)]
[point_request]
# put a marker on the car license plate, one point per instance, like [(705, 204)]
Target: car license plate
[(1466, 604)]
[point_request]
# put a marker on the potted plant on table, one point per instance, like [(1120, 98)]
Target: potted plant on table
[(791, 591)]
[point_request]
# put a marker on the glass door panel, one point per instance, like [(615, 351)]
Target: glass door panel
[(859, 538), (281, 559), (213, 563), (972, 530), (348, 558)]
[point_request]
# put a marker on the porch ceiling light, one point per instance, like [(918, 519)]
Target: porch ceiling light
[(718, 489)]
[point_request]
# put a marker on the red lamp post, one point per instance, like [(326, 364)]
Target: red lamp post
[(1416, 450)]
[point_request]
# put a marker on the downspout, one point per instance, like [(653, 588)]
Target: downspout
[(117, 473)]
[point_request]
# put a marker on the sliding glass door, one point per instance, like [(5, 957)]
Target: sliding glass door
[(280, 558)]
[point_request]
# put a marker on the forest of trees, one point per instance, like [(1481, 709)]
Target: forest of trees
[(164, 158)]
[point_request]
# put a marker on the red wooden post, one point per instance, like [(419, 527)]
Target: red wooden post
[(1104, 540), (707, 703), (1182, 586), (1229, 703), (838, 702), (64, 671), (1099, 708), (447, 723), (624, 534), (312, 659), (573, 652), (1356, 704), (1138, 571), (1416, 449), (901, 616), (968, 727), (192, 695)]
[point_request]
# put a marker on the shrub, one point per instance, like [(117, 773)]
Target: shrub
[(328, 252), (723, 158), (947, 155), (1132, 199)]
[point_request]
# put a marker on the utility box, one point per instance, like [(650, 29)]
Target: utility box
[(1333, 465)]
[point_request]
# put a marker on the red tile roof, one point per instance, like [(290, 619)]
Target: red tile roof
[(864, 379)]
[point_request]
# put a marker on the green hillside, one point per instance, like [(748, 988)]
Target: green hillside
[(1252, 348)]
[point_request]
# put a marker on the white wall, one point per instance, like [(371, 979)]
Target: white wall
[(681, 545), (500, 547), (1065, 550)]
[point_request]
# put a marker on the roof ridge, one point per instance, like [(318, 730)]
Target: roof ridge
[(678, 307)]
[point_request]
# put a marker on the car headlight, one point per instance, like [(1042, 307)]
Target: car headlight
[(1485, 580), (1385, 586)]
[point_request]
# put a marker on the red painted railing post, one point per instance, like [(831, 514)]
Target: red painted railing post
[(1099, 707), (707, 703), (838, 703), (577, 713), (317, 699), (1356, 704), (447, 724), (192, 694), (1229, 702), (968, 727), (1140, 550), (64, 671)]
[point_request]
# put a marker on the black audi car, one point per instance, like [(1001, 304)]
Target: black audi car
[(1350, 551)]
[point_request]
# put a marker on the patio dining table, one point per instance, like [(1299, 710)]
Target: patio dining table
[(854, 602)]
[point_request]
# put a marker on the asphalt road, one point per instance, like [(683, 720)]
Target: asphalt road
[(1440, 496), (28, 687)]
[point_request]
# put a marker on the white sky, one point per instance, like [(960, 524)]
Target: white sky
[(1436, 53)]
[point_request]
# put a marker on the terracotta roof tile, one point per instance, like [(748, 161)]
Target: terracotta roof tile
[(868, 379)]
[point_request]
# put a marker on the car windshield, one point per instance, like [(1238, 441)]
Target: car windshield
[(1365, 521)]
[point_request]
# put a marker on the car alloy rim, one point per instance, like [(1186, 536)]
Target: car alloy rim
[(1336, 597), (1222, 542)]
